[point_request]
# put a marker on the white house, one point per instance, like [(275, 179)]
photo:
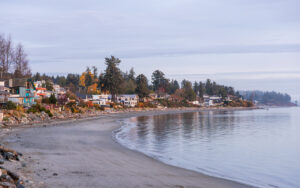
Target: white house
[(58, 90), (212, 100), (102, 99), (128, 100)]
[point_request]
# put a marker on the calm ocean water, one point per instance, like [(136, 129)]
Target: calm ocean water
[(256, 147)]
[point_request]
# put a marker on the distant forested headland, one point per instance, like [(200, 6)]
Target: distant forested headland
[(268, 98)]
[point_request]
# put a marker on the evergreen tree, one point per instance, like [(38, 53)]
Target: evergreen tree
[(37, 76), (189, 93), (61, 80), (201, 89), (52, 99), (208, 87), (142, 86), (72, 79), (101, 81), (49, 85), (131, 75), (113, 79), (196, 88), (95, 72), (88, 80), (160, 83), (173, 86)]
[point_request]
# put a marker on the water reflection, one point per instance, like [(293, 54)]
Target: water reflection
[(187, 125), (258, 147)]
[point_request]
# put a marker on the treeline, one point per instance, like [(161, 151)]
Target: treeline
[(13, 60), (268, 98), (212, 88), (114, 81)]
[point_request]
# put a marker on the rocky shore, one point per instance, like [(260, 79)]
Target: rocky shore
[(9, 179), (13, 118)]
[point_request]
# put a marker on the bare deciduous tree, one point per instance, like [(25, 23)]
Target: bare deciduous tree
[(21, 63), (13, 60)]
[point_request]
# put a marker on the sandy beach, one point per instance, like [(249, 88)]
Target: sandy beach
[(84, 154)]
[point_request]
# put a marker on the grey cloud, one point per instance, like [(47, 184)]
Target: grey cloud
[(204, 35)]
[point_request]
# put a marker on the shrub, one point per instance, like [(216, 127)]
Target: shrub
[(70, 104), (82, 104), (34, 108), (75, 110), (173, 104), (98, 107), (11, 105), (141, 105), (45, 100), (38, 108), (20, 108), (5, 118), (49, 113), (71, 95)]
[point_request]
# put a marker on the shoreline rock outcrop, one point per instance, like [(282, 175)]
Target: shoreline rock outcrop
[(9, 179)]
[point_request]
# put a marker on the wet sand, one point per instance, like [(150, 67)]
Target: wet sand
[(84, 154)]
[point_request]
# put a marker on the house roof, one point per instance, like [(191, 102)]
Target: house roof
[(128, 95), (83, 96), (4, 93)]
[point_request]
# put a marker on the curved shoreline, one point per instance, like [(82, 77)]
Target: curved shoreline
[(107, 164), (115, 137)]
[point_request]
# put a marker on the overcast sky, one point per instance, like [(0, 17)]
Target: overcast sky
[(256, 41)]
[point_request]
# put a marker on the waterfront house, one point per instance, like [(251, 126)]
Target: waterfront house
[(153, 96), (212, 100), (59, 90), (3, 97), (102, 99), (3, 93), (21, 92), (128, 100), (22, 95)]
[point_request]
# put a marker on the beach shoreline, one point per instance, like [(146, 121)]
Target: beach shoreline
[(50, 152)]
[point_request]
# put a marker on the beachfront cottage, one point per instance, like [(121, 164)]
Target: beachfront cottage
[(22, 96), (212, 100), (3, 97), (102, 100), (229, 98), (153, 96), (216, 100), (128, 100), (58, 90), (207, 101), (3, 93), (18, 90), (84, 97), (22, 91)]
